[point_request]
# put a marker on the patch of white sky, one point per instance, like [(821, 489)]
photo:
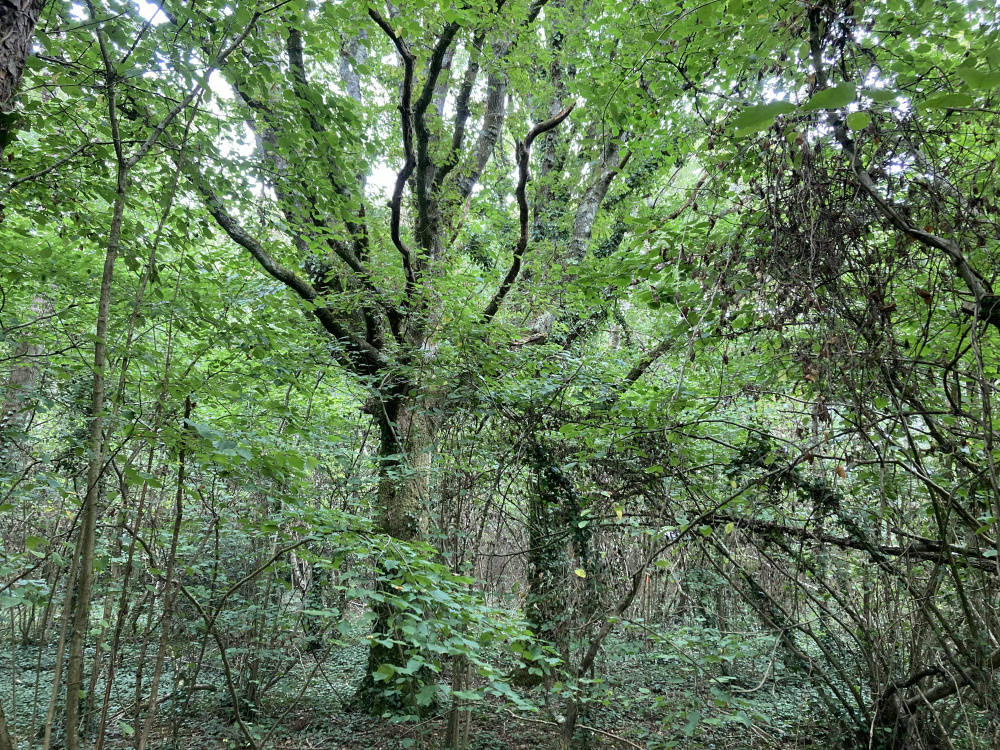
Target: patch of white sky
[(382, 175)]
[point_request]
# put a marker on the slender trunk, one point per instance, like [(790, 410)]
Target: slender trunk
[(123, 606), (61, 648), (169, 591), (88, 516)]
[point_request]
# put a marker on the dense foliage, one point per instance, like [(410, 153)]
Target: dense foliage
[(621, 370)]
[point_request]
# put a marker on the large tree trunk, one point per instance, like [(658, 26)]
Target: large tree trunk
[(17, 26), (406, 435)]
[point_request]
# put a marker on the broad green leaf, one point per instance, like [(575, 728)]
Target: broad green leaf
[(760, 117), (833, 98), (947, 101), (858, 120), (979, 79), (32, 542)]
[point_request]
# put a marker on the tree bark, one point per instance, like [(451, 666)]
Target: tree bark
[(5, 741), (406, 436), (17, 27), (24, 375)]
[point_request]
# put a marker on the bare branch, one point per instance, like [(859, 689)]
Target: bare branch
[(976, 284)]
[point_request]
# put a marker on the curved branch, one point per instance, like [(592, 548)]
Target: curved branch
[(973, 280), (523, 153), (410, 161)]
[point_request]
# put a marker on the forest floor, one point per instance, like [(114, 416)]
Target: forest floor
[(643, 701)]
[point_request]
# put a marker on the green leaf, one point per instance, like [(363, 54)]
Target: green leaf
[(947, 101), (858, 120), (32, 542), (834, 98), (979, 79), (761, 117), (426, 694)]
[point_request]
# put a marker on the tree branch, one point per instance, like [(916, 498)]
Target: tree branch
[(462, 111), (406, 115), (423, 134), (361, 356), (608, 168), (973, 280), (523, 154), (640, 367)]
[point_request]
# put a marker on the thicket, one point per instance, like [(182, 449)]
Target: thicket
[(623, 371)]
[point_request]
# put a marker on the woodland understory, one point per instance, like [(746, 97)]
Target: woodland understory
[(499, 374)]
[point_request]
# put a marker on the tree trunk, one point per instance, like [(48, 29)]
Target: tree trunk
[(5, 741), (88, 514), (406, 435), (17, 26), (553, 520), (25, 373)]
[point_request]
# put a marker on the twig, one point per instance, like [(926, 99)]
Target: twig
[(595, 730), (51, 168)]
